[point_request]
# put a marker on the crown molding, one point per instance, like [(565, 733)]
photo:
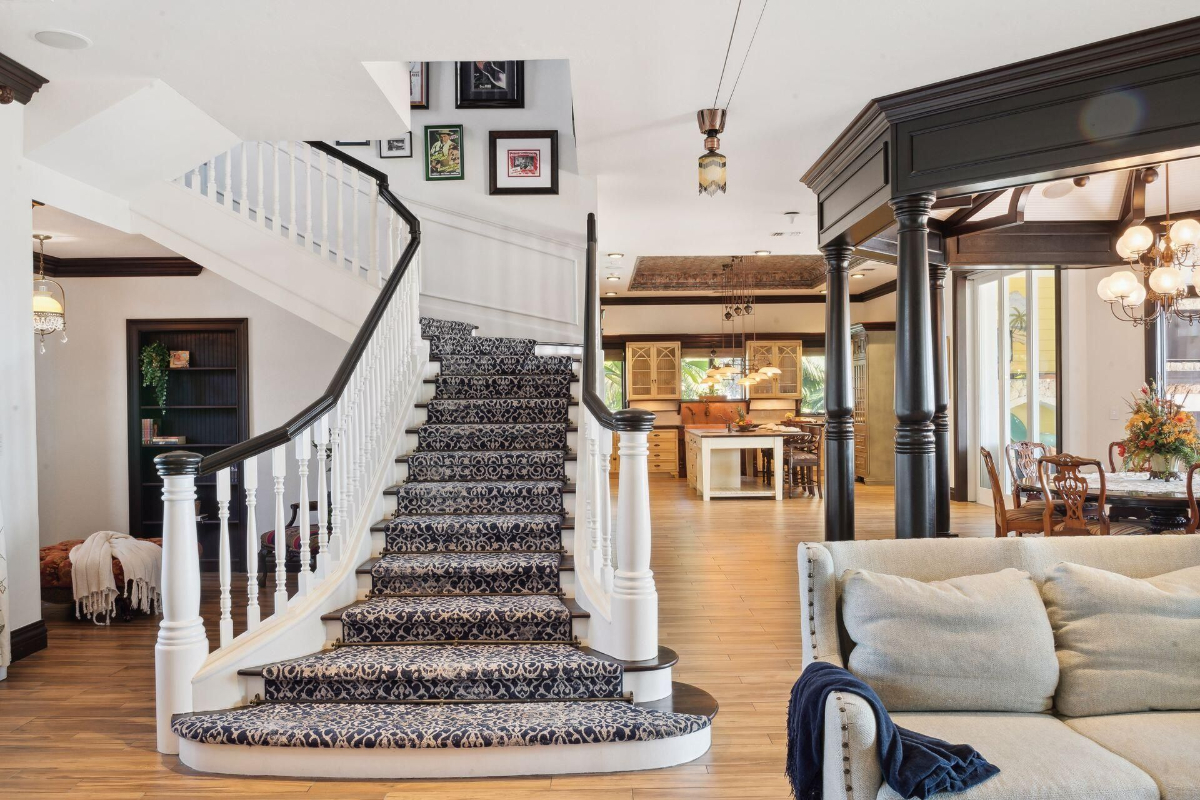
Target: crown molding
[(21, 79), (155, 267)]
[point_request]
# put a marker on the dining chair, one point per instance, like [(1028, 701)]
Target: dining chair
[(1062, 477), (1022, 459), (1118, 511), (1020, 520), (797, 455)]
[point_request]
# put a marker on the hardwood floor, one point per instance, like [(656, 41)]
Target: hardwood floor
[(77, 719)]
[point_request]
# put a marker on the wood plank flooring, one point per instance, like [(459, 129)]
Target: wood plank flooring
[(77, 720)]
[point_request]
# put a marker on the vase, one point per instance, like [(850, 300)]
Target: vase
[(1164, 468)]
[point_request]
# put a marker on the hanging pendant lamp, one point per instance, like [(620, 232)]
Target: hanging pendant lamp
[(711, 163), (49, 300)]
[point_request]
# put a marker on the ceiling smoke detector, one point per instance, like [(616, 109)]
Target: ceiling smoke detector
[(63, 40)]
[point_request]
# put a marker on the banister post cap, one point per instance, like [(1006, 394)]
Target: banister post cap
[(634, 419), (178, 462)]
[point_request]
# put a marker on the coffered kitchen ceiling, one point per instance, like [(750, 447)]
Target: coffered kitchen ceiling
[(704, 273)]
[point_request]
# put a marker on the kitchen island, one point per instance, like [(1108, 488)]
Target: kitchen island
[(714, 461)]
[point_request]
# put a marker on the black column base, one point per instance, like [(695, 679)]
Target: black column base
[(915, 501)]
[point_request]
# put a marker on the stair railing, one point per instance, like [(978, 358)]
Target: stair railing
[(353, 427), (613, 554)]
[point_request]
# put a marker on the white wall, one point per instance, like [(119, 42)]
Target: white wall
[(513, 264), (81, 388), (18, 445)]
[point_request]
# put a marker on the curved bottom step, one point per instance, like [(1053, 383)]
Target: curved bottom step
[(473, 762)]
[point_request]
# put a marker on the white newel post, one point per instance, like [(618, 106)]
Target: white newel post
[(634, 598), (182, 644)]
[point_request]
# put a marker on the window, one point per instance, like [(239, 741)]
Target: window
[(1183, 359), (614, 383), (812, 381), (694, 368)]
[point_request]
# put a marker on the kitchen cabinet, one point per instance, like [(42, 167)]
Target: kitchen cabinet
[(652, 370), (785, 356)]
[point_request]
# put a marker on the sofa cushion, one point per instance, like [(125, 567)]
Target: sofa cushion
[(974, 643), (1163, 744), (1124, 644), (1039, 758)]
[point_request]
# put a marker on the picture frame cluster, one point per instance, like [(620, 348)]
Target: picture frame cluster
[(520, 162)]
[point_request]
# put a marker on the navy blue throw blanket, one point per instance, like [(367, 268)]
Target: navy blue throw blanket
[(913, 764)]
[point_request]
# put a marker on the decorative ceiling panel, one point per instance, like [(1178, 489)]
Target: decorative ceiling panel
[(703, 273)]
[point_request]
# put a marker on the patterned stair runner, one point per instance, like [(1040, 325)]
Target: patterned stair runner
[(466, 601)]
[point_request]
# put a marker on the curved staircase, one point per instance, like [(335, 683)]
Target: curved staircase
[(464, 654)]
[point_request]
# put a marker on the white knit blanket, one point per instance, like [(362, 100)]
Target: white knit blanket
[(94, 584)]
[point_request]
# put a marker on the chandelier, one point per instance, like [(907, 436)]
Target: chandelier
[(49, 300), (737, 305), (1166, 261)]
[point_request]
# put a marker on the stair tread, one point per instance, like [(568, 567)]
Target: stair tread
[(568, 455), (567, 487), (566, 562), (570, 401), (395, 726), (466, 605), (568, 520)]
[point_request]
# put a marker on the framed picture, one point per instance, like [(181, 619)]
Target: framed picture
[(523, 162), (363, 143), (418, 79), (443, 152), (396, 148), (489, 84), (180, 359)]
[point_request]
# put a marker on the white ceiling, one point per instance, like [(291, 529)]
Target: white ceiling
[(76, 237), (288, 69)]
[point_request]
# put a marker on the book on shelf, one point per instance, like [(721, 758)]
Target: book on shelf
[(147, 430), (168, 440)]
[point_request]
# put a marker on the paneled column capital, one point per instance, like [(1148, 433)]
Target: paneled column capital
[(837, 256), (912, 210)]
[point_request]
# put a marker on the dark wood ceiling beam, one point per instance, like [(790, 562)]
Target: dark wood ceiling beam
[(1133, 203), (962, 201), (19, 79), (1015, 215), (978, 203), (116, 267)]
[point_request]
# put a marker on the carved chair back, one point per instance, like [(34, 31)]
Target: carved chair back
[(1022, 459), (1114, 452), (998, 508), (1063, 475), (1193, 511)]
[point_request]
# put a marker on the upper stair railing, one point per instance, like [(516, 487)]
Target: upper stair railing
[(613, 555), (349, 428)]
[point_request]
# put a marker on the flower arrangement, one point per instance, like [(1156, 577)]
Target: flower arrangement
[(1160, 432)]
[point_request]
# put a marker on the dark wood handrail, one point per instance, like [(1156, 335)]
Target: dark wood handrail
[(265, 442), (625, 419)]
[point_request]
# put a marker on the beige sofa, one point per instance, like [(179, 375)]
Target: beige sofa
[(1132, 756)]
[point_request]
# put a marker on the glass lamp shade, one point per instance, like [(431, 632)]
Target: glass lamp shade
[(1167, 280), (726, 370), (1185, 232), (1123, 249), (770, 370), (1139, 238), (712, 372), (1102, 290), (49, 307), (1196, 278), (712, 173), (746, 382), (1120, 284), (44, 303), (1136, 297)]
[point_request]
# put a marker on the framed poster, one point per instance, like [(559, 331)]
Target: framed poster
[(489, 84), (523, 162), (396, 148), (443, 152), (418, 79)]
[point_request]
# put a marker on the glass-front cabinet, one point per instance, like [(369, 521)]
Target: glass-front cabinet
[(784, 355), (652, 370)]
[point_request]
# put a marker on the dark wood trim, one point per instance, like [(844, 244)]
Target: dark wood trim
[(770, 299), (28, 639), (882, 246), (961, 369), (1058, 359), (1091, 244), (809, 338), (1133, 203), (1015, 215), (963, 201), (118, 267), (23, 81), (978, 203)]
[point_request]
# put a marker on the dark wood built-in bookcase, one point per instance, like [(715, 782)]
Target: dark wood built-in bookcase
[(208, 402)]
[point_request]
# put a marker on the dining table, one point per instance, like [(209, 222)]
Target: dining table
[(1165, 502)]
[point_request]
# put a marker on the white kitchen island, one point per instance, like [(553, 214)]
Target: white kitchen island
[(714, 462)]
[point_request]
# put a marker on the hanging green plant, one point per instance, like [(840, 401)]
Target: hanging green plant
[(155, 365)]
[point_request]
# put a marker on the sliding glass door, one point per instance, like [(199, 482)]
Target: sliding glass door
[(1013, 384)]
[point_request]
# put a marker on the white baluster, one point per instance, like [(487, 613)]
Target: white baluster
[(250, 481), (590, 491), (373, 200), (227, 194), (279, 473), (223, 566), (276, 220), (634, 597), (606, 548), (260, 210), (336, 478), (341, 236), (355, 182), (324, 162), (210, 174), (182, 645), (308, 198), (322, 439), (293, 191), (303, 443), (244, 200)]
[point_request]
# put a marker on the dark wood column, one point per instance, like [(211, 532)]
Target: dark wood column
[(941, 401), (839, 396), (915, 515)]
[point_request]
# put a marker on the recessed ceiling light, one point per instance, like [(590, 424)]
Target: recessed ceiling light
[(613, 278), (822, 291), (857, 275), (63, 40), (762, 252), (616, 255), (610, 294)]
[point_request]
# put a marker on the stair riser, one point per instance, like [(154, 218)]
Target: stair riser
[(565, 541), (506, 365), (334, 631), (535, 687), (501, 387), (481, 345), (428, 391), (497, 442), (566, 581), (501, 474), (472, 416), (466, 537), (559, 503)]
